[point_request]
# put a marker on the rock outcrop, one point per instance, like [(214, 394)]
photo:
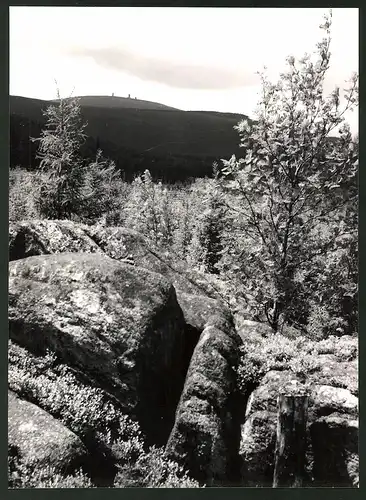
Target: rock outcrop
[(150, 336), (41, 440), (332, 432), (120, 325), (334, 441), (206, 432), (40, 237)]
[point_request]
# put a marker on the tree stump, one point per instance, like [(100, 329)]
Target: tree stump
[(291, 441)]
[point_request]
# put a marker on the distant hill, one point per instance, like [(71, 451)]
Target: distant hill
[(173, 144), (101, 101)]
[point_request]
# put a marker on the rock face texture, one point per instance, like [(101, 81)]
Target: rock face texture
[(46, 237), (119, 324), (332, 433), (247, 328), (205, 433), (40, 439), (145, 332), (40, 237), (335, 451), (198, 309)]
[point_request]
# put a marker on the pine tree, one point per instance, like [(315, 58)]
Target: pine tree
[(101, 190), (59, 154)]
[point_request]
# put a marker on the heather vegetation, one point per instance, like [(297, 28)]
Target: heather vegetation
[(273, 234), (95, 418)]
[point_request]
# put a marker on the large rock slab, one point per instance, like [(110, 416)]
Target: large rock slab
[(41, 440), (119, 324), (258, 437), (40, 237), (206, 432)]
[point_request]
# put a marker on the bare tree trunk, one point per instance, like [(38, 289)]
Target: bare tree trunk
[(291, 441)]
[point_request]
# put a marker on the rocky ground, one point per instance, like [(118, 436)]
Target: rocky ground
[(101, 326)]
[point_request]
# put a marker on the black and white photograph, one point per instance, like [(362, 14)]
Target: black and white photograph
[(183, 247)]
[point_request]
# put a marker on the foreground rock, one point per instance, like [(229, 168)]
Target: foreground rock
[(335, 451), (41, 440), (206, 433), (332, 432), (40, 237), (120, 325)]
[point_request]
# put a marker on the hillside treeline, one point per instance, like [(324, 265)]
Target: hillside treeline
[(174, 145)]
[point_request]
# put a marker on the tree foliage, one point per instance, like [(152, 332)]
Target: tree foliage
[(69, 185), (102, 189), (59, 155), (292, 197), (149, 210)]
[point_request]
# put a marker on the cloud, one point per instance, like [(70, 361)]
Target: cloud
[(170, 73)]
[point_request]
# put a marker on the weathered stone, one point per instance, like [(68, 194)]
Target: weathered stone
[(198, 309), (251, 329), (41, 440), (40, 237), (259, 428), (325, 400), (335, 450), (119, 324), (258, 441), (206, 431)]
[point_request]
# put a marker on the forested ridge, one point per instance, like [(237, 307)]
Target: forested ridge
[(174, 145)]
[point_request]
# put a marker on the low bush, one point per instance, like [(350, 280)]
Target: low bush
[(22, 474), (23, 195), (85, 410), (153, 469), (300, 355), (92, 416)]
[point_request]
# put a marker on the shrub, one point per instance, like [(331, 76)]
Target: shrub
[(274, 352), (300, 355), (85, 410), (23, 195), (344, 348), (149, 210), (22, 474), (153, 469), (101, 192), (96, 419)]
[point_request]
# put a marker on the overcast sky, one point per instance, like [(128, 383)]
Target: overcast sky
[(189, 58)]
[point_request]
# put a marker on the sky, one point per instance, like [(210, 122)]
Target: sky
[(188, 58)]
